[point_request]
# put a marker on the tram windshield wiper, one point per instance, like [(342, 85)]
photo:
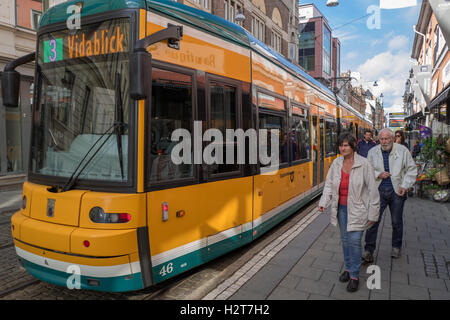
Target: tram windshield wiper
[(118, 130), (73, 178)]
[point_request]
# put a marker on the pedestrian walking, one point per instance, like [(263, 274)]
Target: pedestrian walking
[(400, 138), (416, 149), (351, 192), (366, 143), (395, 172)]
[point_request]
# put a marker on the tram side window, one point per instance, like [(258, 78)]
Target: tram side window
[(224, 111), (171, 109), (330, 137), (301, 140), (275, 122)]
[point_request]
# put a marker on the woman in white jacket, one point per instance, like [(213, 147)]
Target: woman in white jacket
[(351, 192)]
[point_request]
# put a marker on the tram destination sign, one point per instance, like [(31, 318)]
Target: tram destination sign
[(102, 39)]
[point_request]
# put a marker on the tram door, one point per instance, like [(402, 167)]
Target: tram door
[(322, 150), (315, 149)]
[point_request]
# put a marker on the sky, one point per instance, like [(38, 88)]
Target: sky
[(382, 54)]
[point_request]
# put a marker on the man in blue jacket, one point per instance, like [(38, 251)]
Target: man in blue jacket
[(364, 145)]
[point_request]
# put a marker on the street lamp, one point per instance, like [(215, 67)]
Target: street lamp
[(240, 17), (332, 3)]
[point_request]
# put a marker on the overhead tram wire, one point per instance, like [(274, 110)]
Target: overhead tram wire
[(350, 22)]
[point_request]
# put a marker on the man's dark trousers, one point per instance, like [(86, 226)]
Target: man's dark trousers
[(388, 197)]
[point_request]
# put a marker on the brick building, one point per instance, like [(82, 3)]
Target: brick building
[(315, 44), (431, 52)]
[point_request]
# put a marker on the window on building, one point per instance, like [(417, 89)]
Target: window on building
[(276, 41), (307, 46), (439, 43), (231, 9), (326, 50), (258, 28), (35, 17)]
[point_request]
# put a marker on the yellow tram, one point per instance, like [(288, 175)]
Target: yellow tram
[(104, 201)]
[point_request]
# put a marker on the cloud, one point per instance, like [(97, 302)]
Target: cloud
[(391, 69), (398, 43), (351, 55), (345, 35)]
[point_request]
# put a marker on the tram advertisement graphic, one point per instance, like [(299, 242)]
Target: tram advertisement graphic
[(106, 38)]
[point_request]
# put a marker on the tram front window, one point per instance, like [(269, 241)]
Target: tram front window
[(82, 92)]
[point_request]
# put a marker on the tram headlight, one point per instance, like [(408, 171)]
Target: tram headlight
[(98, 215)]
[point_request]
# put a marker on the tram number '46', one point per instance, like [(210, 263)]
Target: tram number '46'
[(166, 269)]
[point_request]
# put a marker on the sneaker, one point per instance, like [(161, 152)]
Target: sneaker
[(367, 257), (353, 285), (395, 253), (345, 276)]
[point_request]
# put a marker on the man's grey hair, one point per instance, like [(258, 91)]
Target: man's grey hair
[(392, 134)]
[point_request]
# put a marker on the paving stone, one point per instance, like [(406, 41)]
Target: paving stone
[(427, 282), (409, 291), (287, 257), (399, 277), (290, 281), (340, 292), (315, 287), (307, 272), (319, 297), (283, 293), (378, 296), (327, 265), (266, 279), (305, 261), (333, 247), (320, 254), (330, 276), (245, 294), (439, 294)]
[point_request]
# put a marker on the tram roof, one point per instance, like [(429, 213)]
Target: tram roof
[(195, 17)]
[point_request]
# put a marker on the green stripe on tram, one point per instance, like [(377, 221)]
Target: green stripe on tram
[(193, 259)]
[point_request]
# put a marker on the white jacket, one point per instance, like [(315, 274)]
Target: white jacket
[(402, 167), (363, 202)]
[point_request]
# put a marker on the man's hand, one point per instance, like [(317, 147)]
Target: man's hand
[(321, 209), (384, 175), (401, 192), (371, 223)]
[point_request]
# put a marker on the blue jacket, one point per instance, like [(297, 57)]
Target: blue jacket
[(363, 147)]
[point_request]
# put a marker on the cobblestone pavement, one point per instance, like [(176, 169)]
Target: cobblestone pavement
[(10, 200), (309, 266)]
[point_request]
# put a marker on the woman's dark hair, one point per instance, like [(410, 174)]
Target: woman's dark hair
[(402, 135), (349, 138)]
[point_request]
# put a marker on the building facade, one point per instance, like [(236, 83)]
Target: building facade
[(18, 22), (431, 53), (319, 52), (272, 22)]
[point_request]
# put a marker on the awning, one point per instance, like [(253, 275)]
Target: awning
[(441, 98), (415, 116)]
